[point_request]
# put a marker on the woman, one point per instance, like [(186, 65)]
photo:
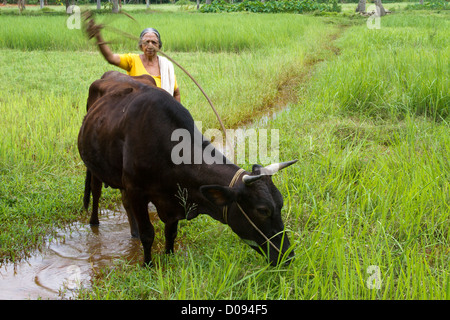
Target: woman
[(160, 68)]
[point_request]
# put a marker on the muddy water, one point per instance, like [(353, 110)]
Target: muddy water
[(71, 259)]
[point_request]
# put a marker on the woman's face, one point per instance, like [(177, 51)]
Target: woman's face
[(149, 41)]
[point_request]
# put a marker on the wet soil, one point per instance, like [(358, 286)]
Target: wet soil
[(71, 259)]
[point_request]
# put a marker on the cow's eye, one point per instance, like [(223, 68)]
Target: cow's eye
[(264, 211)]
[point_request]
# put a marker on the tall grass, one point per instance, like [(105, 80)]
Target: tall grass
[(399, 69), (239, 61), (40, 170), (370, 193), (180, 32), (371, 187)]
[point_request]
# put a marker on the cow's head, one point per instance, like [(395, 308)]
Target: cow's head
[(253, 209)]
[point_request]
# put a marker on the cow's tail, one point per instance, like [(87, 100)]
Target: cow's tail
[(87, 190)]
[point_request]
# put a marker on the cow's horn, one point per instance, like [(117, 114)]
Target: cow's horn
[(275, 167), (267, 171), (250, 179)]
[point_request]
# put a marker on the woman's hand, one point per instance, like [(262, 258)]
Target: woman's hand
[(91, 29)]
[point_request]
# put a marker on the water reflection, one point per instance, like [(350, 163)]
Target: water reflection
[(71, 259)]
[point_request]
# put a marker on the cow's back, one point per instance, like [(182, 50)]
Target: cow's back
[(127, 132), (114, 81)]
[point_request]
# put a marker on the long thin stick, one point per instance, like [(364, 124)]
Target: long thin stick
[(201, 89)]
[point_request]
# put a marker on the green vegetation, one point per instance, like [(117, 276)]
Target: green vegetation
[(243, 55), (40, 169), (369, 123), (373, 184), (430, 5), (371, 187), (54, 66), (281, 6), (403, 69)]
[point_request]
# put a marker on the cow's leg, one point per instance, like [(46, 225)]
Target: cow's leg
[(138, 207), (131, 219), (87, 190), (146, 234), (96, 189), (170, 231)]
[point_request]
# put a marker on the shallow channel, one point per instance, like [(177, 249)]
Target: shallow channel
[(71, 259)]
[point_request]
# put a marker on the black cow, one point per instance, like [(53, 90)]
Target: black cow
[(126, 141)]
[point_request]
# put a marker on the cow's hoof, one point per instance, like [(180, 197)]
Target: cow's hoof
[(94, 223)]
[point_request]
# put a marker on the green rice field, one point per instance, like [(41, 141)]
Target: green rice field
[(366, 112)]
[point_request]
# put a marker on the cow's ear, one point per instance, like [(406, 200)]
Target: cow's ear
[(256, 168), (219, 195)]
